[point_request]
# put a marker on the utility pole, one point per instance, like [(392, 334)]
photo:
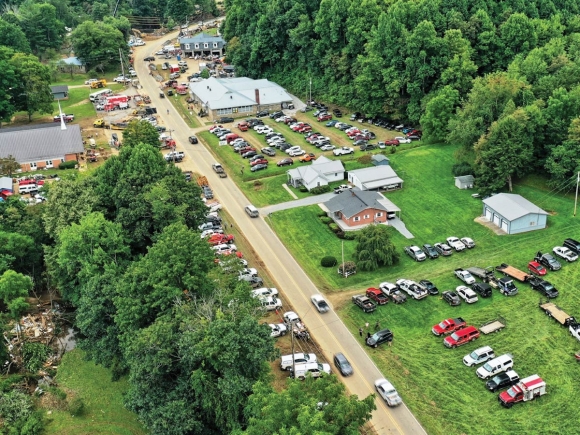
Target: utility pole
[(122, 69), (310, 90), (576, 199)]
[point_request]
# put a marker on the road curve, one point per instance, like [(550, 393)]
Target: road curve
[(330, 332)]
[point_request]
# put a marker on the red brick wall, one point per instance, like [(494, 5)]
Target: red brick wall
[(371, 213)]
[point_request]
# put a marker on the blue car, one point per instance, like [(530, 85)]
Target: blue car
[(331, 123)]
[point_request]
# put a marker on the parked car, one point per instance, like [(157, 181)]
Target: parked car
[(320, 303), (465, 293), (342, 364), (536, 268), (455, 243), (478, 356), (482, 288), (260, 161), (565, 253), (259, 167), (379, 338), (388, 392), (451, 298), (443, 249), (448, 326), (412, 288), (393, 292), (327, 147), (149, 59), (503, 380), (429, 286), (278, 329), (468, 242), (403, 139), (269, 151), (224, 120), (262, 113), (548, 260), (430, 251), (415, 253), (295, 153)]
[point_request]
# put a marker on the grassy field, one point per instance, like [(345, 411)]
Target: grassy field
[(104, 412), (444, 395)]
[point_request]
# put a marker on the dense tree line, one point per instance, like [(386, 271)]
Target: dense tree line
[(465, 71), (151, 302)]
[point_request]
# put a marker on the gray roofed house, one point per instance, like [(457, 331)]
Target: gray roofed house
[(356, 208), (464, 182), (321, 172), (42, 145), (238, 96), (60, 92), (202, 42), (380, 160), (375, 178), (513, 213)]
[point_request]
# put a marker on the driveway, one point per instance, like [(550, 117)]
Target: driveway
[(296, 286), (309, 200)]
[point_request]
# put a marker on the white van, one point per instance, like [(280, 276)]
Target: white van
[(303, 370), (295, 148), (27, 188), (478, 356), (495, 366), (96, 95), (252, 211), (299, 358)]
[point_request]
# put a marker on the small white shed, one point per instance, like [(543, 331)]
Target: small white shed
[(464, 182)]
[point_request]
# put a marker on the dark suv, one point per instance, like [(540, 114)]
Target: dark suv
[(224, 119), (342, 364), (482, 288), (379, 337), (573, 245)]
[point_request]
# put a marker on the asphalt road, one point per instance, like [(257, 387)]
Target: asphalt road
[(296, 287)]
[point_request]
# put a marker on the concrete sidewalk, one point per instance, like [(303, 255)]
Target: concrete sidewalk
[(309, 200)]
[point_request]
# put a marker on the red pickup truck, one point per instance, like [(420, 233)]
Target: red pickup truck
[(377, 295), (67, 118), (448, 326)]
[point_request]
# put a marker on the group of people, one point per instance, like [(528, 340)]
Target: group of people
[(377, 327)]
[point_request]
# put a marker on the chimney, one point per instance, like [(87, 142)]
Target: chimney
[(257, 93)]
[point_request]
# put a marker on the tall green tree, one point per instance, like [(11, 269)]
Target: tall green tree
[(563, 162), (320, 406), (439, 109), (11, 35), (41, 26), (32, 94), (140, 132), (98, 44), (374, 248)]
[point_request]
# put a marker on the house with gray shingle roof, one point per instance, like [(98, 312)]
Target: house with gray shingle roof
[(239, 96), (202, 43), (41, 146), (513, 213), (355, 208), (59, 92), (321, 172)]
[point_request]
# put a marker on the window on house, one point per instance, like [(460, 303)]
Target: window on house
[(187, 46), (356, 219), (33, 166), (366, 216), (532, 224), (49, 163), (62, 160), (224, 111), (205, 45), (379, 214), (196, 45), (215, 45)]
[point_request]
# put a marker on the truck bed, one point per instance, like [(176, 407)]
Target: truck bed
[(557, 313), (493, 326), (513, 272)]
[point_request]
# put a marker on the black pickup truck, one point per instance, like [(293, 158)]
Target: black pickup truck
[(364, 303), (548, 260), (544, 287)]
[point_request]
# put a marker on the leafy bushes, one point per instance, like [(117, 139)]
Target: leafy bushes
[(365, 160), (321, 214), (34, 355), (350, 235), (462, 168), (334, 227), (320, 189), (328, 261), (68, 165), (303, 189), (325, 220)]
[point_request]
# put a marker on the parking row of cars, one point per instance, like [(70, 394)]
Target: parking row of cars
[(439, 249)]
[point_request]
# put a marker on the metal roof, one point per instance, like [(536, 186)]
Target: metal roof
[(238, 92), (59, 88), (41, 142), (376, 176), (319, 168), (202, 37), (6, 184), (512, 206), (352, 201), (379, 158), (466, 179)]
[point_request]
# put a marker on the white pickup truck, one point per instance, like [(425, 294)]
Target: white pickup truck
[(343, 151), (464, 276)]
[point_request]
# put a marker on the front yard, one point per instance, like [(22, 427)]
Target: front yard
[(444, 395)]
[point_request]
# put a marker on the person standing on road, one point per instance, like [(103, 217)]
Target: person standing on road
[(360, 331)]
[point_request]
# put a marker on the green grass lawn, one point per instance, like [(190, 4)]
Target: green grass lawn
[(180, 105), (103, 401), (444, 395)]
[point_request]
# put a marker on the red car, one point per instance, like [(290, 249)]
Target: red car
[(245, 150), (377, 295), (297, 126), (326, 117), (461, 337), (259, 162), (218, 239), (304, 129), (313, 138), (536, 268), (392, 142), (448, 326)]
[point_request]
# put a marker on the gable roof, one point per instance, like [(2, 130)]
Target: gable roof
[(319, 168), (512, 206), (353, 201), (376, 176), (202, 37), (40, 142), (59, 88), (466, 178), (72, 61), (237, 92)]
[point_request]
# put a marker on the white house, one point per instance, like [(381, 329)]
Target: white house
[(321, 172), (381, 177)]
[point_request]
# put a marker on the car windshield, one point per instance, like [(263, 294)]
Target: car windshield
[(487, 367), (474, 355), (443, 325), (454, 336), (511, 392)]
